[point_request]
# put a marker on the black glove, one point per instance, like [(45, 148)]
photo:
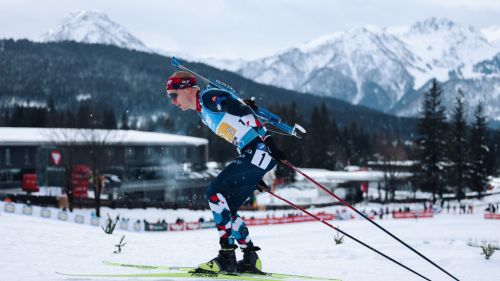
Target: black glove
[(262, 186), (273, 150), (251, 102)]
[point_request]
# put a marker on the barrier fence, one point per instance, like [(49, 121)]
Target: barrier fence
[(138, 225), (413, 214), (492, 216)]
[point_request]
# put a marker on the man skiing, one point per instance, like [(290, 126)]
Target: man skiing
[(235, 121)]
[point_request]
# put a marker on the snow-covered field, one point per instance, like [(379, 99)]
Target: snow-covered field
[(33, 248)]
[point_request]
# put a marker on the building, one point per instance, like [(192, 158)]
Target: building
[(352, 183), (146, 165)]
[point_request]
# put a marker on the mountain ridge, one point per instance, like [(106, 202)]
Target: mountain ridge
[(133, 81), (380, 67), (93, 26), (384, 68)]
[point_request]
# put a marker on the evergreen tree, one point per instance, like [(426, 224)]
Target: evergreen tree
[(51, 106), (356, 144), (493, 159), (17, 118), (53, 118), (84, 116), (124, 121), (431, 143), (479, 151), (109, 120), (335, 150), (291, 146), (318, 139), (458, 151)]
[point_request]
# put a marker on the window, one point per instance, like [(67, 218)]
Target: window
[(129, 153), (110, 151), (149, 151), (7, 157), (27, 156)]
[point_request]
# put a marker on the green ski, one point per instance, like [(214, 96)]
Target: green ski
[(244, 276), (178, 275)]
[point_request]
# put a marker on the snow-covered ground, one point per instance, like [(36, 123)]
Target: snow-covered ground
[(33, 248)]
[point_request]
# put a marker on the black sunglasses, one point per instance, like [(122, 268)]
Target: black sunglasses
[(172, 96)]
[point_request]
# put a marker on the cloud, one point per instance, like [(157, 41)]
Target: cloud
[(475, 5)]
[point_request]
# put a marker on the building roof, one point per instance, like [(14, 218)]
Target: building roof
[(323, 175), (65, 136)]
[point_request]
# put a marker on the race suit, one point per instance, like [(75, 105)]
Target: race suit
[(233, 120)]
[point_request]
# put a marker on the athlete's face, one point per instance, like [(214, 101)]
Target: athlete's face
[(182, 98)]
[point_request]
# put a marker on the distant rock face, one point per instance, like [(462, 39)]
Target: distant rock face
[(389, 68), (93, 27)]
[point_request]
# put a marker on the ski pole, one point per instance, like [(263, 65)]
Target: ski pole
[(353, 238), (364, 216)]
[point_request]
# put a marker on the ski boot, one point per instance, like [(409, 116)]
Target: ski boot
[(224, 262), (251, 262)]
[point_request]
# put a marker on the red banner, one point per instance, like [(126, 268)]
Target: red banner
[(80, 175), (492, 216), (267, 221), (264, 221), (412, 214), (176, 226), (29, 183), (192, 225)]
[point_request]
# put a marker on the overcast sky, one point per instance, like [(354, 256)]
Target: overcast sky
[(240, 28)]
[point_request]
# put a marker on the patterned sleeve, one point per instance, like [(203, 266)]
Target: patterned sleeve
[(221, 101)]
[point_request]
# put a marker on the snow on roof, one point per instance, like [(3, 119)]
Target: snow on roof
[(39, 136), (406, 163), (323, 175)]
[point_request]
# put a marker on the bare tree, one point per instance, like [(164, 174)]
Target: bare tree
[(67, 140), (389, 170), (92, 142), (391, 150), (96, 140)]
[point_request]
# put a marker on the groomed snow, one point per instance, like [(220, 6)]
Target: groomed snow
[(34, 248)]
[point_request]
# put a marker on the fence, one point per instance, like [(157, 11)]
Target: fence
[(412, 214)]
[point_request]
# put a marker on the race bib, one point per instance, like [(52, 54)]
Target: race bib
[(261, 159)]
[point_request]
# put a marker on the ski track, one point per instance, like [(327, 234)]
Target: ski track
[(35, 248)]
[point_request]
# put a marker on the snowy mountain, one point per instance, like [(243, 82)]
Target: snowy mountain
[(389, 68), (364, 66), (447, 46), (492, 34), (93, 27)]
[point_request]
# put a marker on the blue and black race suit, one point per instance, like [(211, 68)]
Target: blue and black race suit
[(233, 120)]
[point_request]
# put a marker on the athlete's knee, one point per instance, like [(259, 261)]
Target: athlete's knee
[(218, 203)]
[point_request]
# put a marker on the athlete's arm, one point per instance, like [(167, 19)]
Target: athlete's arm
[(221, 101)]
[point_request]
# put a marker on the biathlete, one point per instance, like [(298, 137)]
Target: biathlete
[(235, 121)]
